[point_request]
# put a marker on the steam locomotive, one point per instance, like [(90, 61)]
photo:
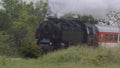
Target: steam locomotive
[(55, 33)]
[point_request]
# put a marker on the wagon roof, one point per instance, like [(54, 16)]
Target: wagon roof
[(107, 28)]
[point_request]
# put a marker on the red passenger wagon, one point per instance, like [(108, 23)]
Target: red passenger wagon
[(108, 36)]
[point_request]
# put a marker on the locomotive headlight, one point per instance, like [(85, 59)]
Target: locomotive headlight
[(63, 44), (50, 43)]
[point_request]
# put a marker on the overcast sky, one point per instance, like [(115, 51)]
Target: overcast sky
[(97, 8)]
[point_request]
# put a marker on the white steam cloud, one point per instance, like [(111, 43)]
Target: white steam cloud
[(97, 8)]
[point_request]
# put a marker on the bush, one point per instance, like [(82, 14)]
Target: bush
[(6, 47), (29, 51), (29, 48)]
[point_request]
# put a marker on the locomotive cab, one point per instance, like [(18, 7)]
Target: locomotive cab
[(91, 35)]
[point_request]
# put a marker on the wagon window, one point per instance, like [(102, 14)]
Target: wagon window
[(115, 38), (106, 38), (111, 38)]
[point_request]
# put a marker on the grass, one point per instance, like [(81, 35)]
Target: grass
[(74, 57)]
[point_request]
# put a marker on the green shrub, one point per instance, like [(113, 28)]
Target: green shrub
[(29, 51), (6, 47), (29, 48)]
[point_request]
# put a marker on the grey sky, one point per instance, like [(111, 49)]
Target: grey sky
[(98, 8)]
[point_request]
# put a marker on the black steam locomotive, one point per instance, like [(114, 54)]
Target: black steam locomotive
[(55, 33)]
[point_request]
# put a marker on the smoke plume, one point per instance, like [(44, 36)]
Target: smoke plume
[(97, 8)]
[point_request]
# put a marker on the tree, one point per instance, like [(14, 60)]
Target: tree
[(84, 18), (114, 17), (13, 8), (88, 19), (68, 16), (41, 10), (21, 19), (30, 8), (5, 21)]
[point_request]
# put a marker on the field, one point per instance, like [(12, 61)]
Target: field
[(73, 57)]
